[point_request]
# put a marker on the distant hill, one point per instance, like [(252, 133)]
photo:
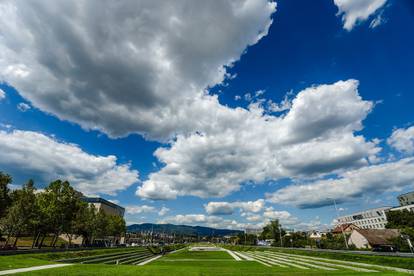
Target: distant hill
[(181, 229)]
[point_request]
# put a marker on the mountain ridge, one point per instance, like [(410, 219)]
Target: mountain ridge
[(187, 230)]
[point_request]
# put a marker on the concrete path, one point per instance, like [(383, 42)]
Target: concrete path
[(247, 258), (33, 268), (150, 260), (325, 262), (397, 269), (231, 253)]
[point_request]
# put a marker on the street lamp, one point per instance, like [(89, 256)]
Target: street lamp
[(340, 225)]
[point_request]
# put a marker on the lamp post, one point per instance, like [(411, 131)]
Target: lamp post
[(342, 229)]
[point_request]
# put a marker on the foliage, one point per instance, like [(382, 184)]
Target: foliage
[(57, 210), (5, 200), (273, 231)]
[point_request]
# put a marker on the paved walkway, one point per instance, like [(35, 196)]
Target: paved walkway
[(33, 268), (150, 260), (231, 253)]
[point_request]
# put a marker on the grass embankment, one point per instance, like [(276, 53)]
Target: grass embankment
[(369, 259), (192, 263), (27, 260)]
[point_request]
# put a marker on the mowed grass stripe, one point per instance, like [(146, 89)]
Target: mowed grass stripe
[(267, 261), (260, 262), (247, 258), (397, 269), (79, 259), (302, 262), (125, 258), (280, 261), (326, 263)]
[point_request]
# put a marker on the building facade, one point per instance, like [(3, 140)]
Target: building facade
[(368, 219), (406, 199), (106, 206), (377, 218)]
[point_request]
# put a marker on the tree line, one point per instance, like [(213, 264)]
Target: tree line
[(56, 210)]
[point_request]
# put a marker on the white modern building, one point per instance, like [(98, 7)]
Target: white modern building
[(377, 218), (406, 199), (368, 219)]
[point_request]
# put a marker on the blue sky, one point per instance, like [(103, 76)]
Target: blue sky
[(215, 116)]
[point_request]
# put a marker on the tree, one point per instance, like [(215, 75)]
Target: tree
[(400, 219), (274, 231), (58, 204), (21, 214), (116, 227), (5, 199)]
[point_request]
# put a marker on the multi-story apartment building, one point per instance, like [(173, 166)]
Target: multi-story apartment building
[(377, 218)]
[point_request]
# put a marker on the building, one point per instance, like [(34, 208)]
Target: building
[(377, 218), (368, 219), (369, 238), (406, 199), (344, 228), (106, 206)]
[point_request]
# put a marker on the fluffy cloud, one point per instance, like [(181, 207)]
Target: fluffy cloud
[(315, 137), (23, 107), (228, 208), (2, 94), (32, 153), (163, 211), (402, 140), (374, 179), (139, 209), (356, 11), (143, 69)]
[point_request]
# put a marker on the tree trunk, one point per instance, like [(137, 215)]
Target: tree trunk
[(41, 241), (15, 239), (35, 239), (54, 240)]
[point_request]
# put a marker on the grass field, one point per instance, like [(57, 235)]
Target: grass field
[(407, 263), (186, 262)]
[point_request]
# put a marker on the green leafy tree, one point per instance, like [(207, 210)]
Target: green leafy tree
[(116, 227), (274, 231), (5, 199), (20, 217), (58, 205)]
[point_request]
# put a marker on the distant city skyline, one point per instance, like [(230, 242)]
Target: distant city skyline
[(223, 114)]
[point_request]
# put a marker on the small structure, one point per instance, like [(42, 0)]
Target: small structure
[(346, 228), (369, 238), (106, 206)]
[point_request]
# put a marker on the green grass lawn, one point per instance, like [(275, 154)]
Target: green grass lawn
[(181, 263), (401, 262), (27, 260)]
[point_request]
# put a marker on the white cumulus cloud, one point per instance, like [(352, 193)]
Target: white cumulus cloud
[(2, 94), (228, 208), (23, 107), (402, 140), (315, 137), (126, 66), (139, 209), (356, 11), (374, 179), (31, 153)]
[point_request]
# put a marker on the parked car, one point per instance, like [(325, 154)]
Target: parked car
[(385, 248)]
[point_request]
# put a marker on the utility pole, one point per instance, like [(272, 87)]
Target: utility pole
[(342, 228)]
